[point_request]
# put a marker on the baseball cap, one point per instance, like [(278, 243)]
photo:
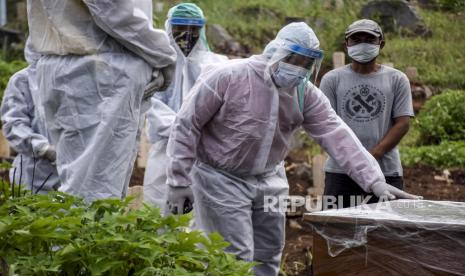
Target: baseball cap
[(364, 26)]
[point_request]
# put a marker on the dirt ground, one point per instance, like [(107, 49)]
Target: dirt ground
[(137, 177), (435, 184), (297, 258)]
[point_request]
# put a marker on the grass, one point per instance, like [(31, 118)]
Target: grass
[(440, 58), (254, 23)]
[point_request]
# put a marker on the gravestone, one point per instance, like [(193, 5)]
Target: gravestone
[(412, 74), (144, 148), (4, 146), (318, 173), (338, 59), (21, 12)]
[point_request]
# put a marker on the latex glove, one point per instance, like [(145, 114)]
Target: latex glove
[(156, 84), (168, 73), (180, 200), (382, 189), (48, 152)]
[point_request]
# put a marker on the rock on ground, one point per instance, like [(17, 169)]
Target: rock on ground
[(395, 16)]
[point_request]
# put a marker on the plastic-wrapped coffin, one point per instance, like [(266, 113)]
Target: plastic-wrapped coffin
[(401, 237)]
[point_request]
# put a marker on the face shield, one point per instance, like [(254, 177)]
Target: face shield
[(291, 64), (186, 32)]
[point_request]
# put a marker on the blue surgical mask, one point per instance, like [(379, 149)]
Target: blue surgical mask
[(363, 52), (287, 75)]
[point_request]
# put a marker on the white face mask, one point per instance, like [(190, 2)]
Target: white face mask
[(363, 52), (288, 75)]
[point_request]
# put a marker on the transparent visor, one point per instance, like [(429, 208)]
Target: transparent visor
[(296, 55), (186, 32)]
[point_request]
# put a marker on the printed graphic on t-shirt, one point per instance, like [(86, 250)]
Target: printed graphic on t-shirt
[(363, 103)]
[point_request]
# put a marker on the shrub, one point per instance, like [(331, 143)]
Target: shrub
[(7, 69), (442, 118), (444, 155), (58, 234)]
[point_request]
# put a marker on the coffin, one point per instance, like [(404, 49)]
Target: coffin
[(403, 237)]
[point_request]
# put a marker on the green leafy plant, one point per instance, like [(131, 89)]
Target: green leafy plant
[(58, 234), (445, 155), (442, 118), (255, 23), (7, 69), (437, 137)]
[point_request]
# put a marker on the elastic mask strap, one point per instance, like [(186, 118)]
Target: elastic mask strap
[(301, 94)]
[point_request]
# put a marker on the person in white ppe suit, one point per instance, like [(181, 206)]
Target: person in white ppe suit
[(24, 128), (185, 26), (232, 134), (100, 60)]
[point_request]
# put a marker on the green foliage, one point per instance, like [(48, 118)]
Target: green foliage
[(311, 147), (438, 58), (437, 137), (442, 118), (255, 23), (7, 69), (444, 155), (5, 165), (58, 234)]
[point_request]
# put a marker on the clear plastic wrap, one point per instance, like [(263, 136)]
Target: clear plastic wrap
[(397, 238)]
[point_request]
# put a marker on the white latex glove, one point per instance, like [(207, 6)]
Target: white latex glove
[(48, 152), (180, 200), (156, 84), (382, 189)]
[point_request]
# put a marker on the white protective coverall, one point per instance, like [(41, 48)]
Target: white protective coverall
[(98, 57), (25, 130), (162, 113), (229, 141)]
